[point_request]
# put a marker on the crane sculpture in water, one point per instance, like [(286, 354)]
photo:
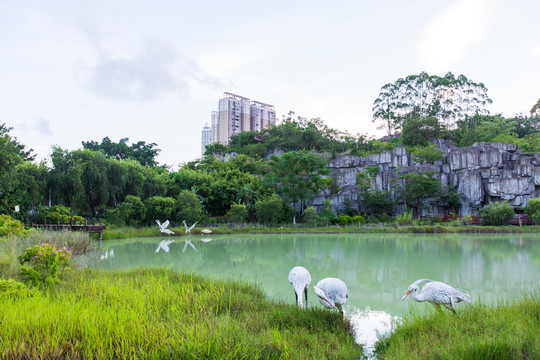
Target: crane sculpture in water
[(437, 293), (332, 293), (188, 230), (163, 227), (300, 279)]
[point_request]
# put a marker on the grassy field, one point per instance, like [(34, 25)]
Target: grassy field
[(504, 331), (159, 314)]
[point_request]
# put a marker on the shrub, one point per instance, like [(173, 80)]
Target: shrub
[(159, 208), (405, 218), (533, 209), (327, 214), (269, 211), (497, 213), (237, 213), (344, 220), (45, 264), (12, 289), (310, 215), (10, 226), (358, 220)]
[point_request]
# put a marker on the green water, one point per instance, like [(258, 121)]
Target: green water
[(377, 268)]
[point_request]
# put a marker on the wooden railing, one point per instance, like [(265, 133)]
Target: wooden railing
[(72, 226)]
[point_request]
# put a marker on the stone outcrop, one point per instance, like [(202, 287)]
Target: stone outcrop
[(482, 173)]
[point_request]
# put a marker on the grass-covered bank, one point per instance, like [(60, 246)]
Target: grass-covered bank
[(504, 331), (161, 314), (129, 232)]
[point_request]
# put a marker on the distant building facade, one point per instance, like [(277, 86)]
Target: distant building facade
[(206, 138), (237, 114)]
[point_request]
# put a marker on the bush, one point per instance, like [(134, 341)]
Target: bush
[(159, 208), (10, 226), (237, 213), (270, 211), (327, 214), (404, 219), (46, 264), (12, 289), (310, 215), (130, 212), (344, 220), (497, 213), (358, 220), (533, 209)]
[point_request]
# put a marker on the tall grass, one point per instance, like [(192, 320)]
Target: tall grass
[(159, 314), (504, 331), (13, 246)]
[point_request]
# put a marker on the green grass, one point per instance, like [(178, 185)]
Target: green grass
[(504, 331), (160, 314)]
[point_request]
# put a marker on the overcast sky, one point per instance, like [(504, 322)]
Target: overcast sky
[(78, 70)]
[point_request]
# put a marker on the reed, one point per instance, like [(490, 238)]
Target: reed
[(503, 331), (160, 314)]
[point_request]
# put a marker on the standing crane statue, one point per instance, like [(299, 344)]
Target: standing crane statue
[(437, 293), (300, 279), (188, 230), (163, 227), (332, 293)]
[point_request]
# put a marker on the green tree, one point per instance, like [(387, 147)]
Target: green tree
[(159, 208), (419, 131), (237, 213), (140, 151), (497, 213), (189, 207), (417, 188), (12, 153), (269, 211), (427, 155), (296, 176), (533, 209), (377, 202)]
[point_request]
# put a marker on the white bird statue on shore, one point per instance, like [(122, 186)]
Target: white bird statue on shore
[(437, 293), (163, 227), (300, 279), (188, 230), (206, 231), (332, 293)]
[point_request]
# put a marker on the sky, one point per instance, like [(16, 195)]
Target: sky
[(81, 70)]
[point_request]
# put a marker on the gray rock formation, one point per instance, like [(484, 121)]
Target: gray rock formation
[(482, 173)]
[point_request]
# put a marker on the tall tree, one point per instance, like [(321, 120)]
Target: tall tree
[(296, 176), (144, 153), (448, 98)]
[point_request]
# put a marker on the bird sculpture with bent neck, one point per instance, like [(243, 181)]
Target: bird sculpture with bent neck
[(437, 293), (332, 293), (300, 279)]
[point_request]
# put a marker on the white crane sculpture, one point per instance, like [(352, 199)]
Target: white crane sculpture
[(300, 279), (163, 227), (188, 230), (437, 293), (332, 293), (206, 231)]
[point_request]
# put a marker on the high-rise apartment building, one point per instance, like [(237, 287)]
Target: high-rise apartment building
[(206, 138), (237, 114)]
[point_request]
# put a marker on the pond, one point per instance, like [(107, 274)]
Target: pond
[(377, 268)]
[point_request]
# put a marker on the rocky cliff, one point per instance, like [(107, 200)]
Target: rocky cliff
[(482, 173)]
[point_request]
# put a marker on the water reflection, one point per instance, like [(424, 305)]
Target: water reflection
[(188, 242), (376, 268), (369, 325), (164, 245), (205, 240)]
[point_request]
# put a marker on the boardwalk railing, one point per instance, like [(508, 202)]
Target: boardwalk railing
[(72, 226)]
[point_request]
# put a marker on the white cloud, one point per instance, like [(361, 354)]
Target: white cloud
[(451, 32)]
